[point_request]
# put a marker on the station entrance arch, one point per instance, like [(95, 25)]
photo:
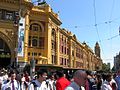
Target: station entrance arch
[(5, 54)]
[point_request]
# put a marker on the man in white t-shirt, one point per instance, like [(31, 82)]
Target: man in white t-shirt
[(12, 84), (40, 83)]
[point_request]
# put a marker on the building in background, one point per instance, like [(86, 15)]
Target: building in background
[(29, 31), (117, 62)]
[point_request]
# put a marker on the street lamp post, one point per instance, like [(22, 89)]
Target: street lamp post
[(15, 33), (32, 66)]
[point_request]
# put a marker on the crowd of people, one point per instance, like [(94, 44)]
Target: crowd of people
[(58, 80)]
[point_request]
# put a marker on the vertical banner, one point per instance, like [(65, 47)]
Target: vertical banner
[(21, 30)]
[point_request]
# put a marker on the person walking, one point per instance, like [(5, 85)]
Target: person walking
[(106, 84), (40, 83), (117, 79), (80, 78), (12, 84), (62, 81)]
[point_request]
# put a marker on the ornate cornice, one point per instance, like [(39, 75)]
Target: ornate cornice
[(17, 2), (10, 1), (36, 12)]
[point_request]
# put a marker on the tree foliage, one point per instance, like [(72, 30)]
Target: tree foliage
[(105, 67)]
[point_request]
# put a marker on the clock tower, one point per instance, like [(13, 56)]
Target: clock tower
[(97, 49)]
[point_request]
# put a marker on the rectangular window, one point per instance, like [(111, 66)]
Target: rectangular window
[(34, 41), (8, 15), (68, 51), (29, 43), (65, 50), (28, 53), (53, 59), (62, 49), (53, 45), (72, 53), (62, 61), (65, 62), (62, 37)]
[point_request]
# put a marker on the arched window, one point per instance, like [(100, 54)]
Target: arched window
[(53, 39), (53, 34), (36, 27), (34, 42)]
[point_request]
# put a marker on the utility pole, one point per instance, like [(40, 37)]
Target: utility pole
[(32, 66)]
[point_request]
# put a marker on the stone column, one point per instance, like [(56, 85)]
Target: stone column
[(48, 43), (75, 56), (26, 37), (57, 47), (70, 52)]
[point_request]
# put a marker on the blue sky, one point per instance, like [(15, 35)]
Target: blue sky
[(91, 21)]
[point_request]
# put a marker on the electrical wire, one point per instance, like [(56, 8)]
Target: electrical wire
[(108, 39), (113, 4), (92, 25), (110, 32)]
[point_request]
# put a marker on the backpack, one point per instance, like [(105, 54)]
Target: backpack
[(35, 85), (92, 85)]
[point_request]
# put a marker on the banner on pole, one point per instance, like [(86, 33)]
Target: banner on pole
[(21, 30)]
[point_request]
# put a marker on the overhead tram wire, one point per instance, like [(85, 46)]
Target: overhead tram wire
[(113, 37), (113, 4), (93, 25), (110, 38), (94, 7), (111, 13), (95, 20)]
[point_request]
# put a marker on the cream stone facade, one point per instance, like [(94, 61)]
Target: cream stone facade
[(44, 39)]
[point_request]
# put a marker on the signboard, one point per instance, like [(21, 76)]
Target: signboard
[(21, 30)]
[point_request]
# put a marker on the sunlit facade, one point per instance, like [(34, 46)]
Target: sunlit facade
[(45, 40)]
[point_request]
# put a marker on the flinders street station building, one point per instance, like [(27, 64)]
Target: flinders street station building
[(33, 32)]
